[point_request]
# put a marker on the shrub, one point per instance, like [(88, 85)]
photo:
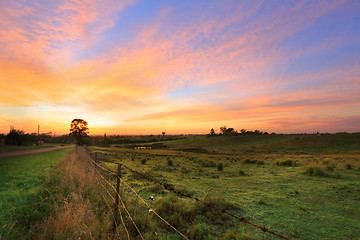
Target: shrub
[(170, 163), (220, 166), (143, 161), (289, 163), (210, 164), (241, 173), (317, 171), (249, 161), (348, 166), (331, 167)]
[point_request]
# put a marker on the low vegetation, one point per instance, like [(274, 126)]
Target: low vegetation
[(21, 197), (295, 190), (282, 182)]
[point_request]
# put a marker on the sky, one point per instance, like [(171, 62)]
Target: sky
[(183, 67)]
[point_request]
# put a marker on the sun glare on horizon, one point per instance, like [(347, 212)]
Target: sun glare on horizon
[(187, 67)]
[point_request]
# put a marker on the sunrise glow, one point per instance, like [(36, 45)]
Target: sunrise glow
[(143, 67)]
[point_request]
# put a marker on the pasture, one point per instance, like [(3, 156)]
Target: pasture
[(300, 186), (21, 179)]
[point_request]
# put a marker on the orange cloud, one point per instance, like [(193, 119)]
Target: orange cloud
[(41, 64)]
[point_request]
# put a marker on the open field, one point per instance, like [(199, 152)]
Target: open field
[(20, 180), (301, 186)]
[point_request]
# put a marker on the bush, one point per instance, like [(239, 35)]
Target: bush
[(170, 163), (220, 166), (210, 164), (289, 163), (249, 161), (143, 161), (348, 166), (331, 167), (241, 173), (317, 171)]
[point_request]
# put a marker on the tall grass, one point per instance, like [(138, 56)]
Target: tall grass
[(78, 202)]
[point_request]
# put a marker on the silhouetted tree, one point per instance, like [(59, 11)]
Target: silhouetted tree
[(212, 132), (229, 131), (163, 133), (223, 129), (79, 130), (15, 137)]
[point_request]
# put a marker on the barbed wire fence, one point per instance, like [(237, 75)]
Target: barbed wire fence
[(150, 209), (170, 189)]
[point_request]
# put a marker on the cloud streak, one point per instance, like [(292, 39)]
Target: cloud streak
[(243, 58)]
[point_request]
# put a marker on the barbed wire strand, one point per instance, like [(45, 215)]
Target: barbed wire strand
[(152, 210), (119, 198), (122, 220), (169, 188), (111, 212), (149, 207)]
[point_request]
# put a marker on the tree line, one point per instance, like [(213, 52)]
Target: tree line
[(225, 131)]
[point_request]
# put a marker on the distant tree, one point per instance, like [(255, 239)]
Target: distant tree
[(223, 129), (243, 131), (79, 130), (229, 131), (212, 132), (163, 133), (15, 137)]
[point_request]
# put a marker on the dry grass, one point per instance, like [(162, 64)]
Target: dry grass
[(81, 205)]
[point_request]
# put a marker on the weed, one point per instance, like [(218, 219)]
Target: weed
[(289, 163), (331, 167), (241, 173), (317, 171), (348, 166), (220, 167), (249, 161)]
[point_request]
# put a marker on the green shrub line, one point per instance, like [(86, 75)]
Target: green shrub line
[(317, 171)]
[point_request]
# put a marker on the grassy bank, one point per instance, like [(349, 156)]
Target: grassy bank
[(21, 179)]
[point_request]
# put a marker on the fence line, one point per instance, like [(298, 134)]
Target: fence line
[(171, 189), (122, 220), (148, 206), (151, 210)]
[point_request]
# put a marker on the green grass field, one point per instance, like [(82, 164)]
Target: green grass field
[(301, 186), (20, 180)]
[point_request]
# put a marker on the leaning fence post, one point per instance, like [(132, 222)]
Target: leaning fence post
[(118, 174)]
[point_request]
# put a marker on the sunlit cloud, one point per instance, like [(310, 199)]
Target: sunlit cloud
[(125, 69)]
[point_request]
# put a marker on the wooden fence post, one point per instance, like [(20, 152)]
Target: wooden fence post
[(118, 174)]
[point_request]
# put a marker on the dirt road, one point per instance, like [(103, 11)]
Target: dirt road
[(21, 153)]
